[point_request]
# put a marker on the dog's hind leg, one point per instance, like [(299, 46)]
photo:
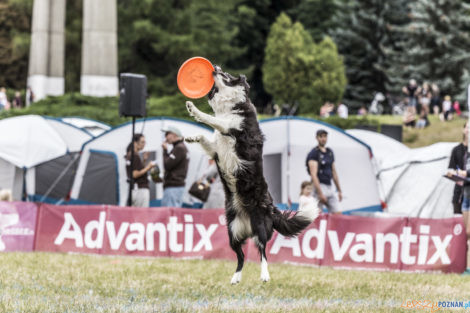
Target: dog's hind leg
[(237, 247), (261, 239)]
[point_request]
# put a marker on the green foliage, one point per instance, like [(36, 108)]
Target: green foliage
[(73, 44), (351, 122), (74, 104), (386, 43), (438, 44), (105, 109), (160, 35), (288, 55), (15, 28), (254, 19), (361, 35), (296, 70), (156, 36), (346, 123), (322, 11), (329, 79)]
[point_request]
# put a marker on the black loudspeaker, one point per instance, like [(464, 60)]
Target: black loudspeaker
[(133, 95)]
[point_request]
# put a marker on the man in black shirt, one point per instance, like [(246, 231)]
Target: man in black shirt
[(321, 168), (412, 90), (458, 160), (175, 163)]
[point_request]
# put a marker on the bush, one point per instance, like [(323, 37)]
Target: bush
[(107, 109), (351, 122), (104, 109)]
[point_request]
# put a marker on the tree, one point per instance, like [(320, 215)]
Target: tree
[(316, 16), (359, 35), (329, 78), (254, 19), (438, 44), (15, 28), (73, 45), (296, 70), (368, 35), (159, 35), (394, 49)]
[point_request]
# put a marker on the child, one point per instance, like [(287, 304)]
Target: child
[(446, 108), (306, 191), (308, 205)]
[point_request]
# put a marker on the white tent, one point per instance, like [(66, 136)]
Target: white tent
[(288, 142), (101, 175), (411, 180), (95, 128), (33, 143)]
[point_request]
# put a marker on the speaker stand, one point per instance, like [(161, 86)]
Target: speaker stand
[(131, 179)]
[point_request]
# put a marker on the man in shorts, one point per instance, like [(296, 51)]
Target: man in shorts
[(321, 168)]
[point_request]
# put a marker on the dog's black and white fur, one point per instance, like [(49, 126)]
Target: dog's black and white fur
[(237, 149)]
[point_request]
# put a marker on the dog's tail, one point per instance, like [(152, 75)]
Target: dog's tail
[(289, 224)]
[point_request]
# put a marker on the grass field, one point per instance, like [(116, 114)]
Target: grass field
[(438, 131), (46, 282)]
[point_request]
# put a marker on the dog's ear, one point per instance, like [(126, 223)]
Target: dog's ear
[(244, 82)]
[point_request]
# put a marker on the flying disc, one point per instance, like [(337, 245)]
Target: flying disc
[(195, 77)]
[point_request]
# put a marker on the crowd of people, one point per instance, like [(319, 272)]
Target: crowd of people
[(16, 101), (424, 100), (419, 101)]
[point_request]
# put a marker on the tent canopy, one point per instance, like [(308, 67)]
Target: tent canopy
[(101, 174), (43, 148), (29, 140), (95, 128), (411, 181), (288, 142)]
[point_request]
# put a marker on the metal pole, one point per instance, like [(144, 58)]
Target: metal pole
[(468, 107), (131, 178)]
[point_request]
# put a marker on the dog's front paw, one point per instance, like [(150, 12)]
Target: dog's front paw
[(192, 139), (190, 106), (192, 110)]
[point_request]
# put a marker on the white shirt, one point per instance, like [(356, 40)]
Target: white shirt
[(342, 111), (304, 200), (446, 105)]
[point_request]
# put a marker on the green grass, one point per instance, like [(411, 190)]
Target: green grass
[(46, 282), (438, 131)]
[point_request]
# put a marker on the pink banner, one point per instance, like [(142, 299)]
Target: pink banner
[(332, 240), (135, 231), (17, 224), (436, 244)]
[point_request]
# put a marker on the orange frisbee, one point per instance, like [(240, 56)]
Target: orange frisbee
[(195, 77)]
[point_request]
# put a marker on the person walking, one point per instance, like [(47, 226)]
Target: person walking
[(321, 168), (175, 164)]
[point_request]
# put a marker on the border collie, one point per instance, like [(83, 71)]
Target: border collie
[(238, 151)]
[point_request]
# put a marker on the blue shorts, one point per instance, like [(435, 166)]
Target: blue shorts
[(466, 204)]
